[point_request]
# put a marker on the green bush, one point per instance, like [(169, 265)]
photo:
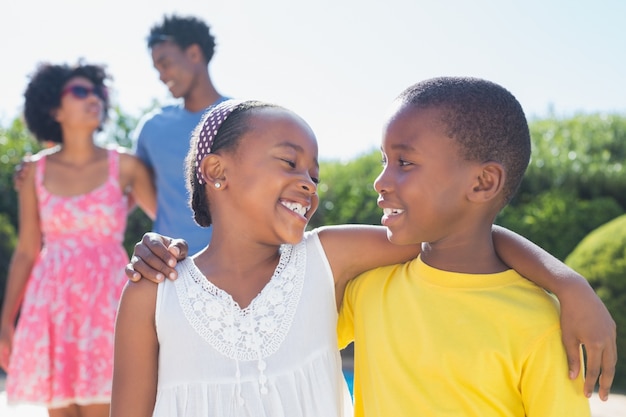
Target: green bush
[(585, 153), (8, 240), (347, 192), (601, 257), (137, 224), (15, 142), (558, 219)]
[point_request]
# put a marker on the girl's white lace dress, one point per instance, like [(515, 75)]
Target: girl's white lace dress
[(277, 357)]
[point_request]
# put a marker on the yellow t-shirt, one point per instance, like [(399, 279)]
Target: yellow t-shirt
[(435, 343)]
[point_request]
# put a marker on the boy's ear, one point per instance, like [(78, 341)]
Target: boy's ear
[(212, 170), (194, 53), (488, 183)]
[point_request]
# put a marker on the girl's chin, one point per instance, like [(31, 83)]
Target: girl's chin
[(398, 239), (294, 238)]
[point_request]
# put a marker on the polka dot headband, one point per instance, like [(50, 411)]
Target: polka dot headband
[(212, 122)]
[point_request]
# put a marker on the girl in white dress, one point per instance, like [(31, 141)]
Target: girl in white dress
[(249, 326), (248, 329)]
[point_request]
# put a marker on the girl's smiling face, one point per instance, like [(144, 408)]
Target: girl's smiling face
[(272, 176)]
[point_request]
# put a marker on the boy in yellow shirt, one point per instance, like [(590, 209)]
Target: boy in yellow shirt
[(454, 332)]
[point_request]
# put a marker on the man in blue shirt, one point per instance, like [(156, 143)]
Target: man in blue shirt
[(181, 49)]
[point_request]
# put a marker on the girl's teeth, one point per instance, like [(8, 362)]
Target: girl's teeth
[(389, 211), (295, 207)]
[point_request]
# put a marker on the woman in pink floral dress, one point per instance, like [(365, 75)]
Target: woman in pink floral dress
[(67, 271)]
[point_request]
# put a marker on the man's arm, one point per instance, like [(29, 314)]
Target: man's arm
[(584, 318)]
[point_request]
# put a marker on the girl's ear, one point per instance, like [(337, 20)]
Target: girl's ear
[(488, 183), (212, 171)]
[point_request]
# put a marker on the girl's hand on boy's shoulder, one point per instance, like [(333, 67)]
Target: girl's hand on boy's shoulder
[(155, 258)]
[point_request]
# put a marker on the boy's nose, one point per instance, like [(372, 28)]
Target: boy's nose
[(380, 183)]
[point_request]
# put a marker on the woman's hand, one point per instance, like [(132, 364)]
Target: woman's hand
[(6, 343)]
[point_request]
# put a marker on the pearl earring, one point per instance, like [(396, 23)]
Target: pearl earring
[(217, 185)]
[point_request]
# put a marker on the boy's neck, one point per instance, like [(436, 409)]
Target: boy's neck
[(469, 256), (201, 96)]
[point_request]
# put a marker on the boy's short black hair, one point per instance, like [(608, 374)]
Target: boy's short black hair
[(43, 96), (484, 118), (184, 32)]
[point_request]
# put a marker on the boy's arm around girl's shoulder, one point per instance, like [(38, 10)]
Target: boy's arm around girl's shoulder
[(135, 363), (354, 249), (545, 388), (584, 318)]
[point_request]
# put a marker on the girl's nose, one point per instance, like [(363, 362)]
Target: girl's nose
[(309, 185)]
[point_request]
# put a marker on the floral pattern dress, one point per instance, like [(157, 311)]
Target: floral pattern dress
[(63, 345)]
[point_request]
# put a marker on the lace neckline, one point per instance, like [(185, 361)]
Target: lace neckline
[(256, 331)]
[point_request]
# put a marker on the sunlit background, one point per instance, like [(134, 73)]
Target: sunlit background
[(338, 63)]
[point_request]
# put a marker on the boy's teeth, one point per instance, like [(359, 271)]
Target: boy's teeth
[(390, 211), (297, 207)]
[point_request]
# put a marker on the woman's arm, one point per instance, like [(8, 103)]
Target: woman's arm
[(584, 318), (22, 261), (135, 364)]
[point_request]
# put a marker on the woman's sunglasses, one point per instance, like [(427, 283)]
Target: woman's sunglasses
[(82, 92)]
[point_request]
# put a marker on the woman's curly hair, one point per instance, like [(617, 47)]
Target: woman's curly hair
[(43, 96)]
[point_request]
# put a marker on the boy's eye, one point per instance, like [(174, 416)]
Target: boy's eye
[(315, 180), (289, 162), (403, 163)]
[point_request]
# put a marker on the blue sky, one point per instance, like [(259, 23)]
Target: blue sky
[(338, 63)]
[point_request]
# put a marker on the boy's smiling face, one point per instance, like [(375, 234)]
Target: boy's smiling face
[(422, 188), (175, 66)]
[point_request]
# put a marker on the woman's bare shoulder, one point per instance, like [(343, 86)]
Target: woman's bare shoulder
[(41, 154)]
